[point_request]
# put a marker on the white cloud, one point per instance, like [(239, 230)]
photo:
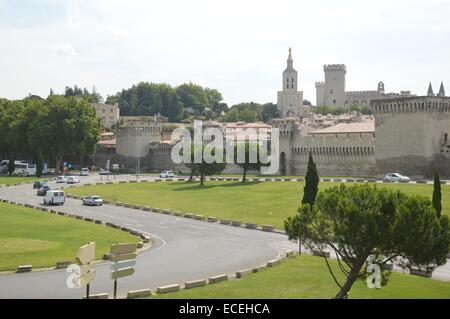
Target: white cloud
[(239, 47), (73, 16), (64, 49), (114, 31)]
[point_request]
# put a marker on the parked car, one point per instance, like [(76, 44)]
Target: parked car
[(43, 190), (166, 174), (54, 197), (93, 201), (84, 171), (396, 177), (61, 179), (39, 184), (72, 180), (104, 171)]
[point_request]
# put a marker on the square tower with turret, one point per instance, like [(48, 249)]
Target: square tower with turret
[(290, 100), (334, 87)]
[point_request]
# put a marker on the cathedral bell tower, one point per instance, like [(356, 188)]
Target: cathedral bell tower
[(290, 100)]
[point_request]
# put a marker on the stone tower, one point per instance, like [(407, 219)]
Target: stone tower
[(320, 93), (334, 84), (290, 100), (441, 90), (430, 90)]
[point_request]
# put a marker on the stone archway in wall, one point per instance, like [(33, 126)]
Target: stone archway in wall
[(283, 165)]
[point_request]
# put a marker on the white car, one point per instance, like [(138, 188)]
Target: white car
[(84, 172), (54, 197), (166, 174), (396, 177), (61, 179), (72, 180), (93, 201)]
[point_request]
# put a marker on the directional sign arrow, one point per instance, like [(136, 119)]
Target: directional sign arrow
[(122, 273), (123, 248), (123, 257), (86, 254), (87, 278), (124, 264)]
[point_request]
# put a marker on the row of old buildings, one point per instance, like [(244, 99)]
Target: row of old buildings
[(406, 133)]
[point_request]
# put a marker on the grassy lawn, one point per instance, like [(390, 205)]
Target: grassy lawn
[(260, 202), (308, 277), (28, 236), (16, 179)]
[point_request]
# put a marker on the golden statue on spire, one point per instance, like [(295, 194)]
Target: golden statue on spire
[(290, 53)]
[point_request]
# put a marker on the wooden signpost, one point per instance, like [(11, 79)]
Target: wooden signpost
[(124, 260), (85, 258)]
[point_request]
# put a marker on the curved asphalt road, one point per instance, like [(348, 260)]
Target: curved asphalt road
[(183, 249)]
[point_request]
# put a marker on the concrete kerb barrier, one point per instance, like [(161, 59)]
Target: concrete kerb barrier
[(177, 213), (274, 262), (242, 273), (62, 264), (225, 222), (216, 279), (195, 284), (212, 219), (188, 215), (421, 273), (236, 223), (139, 293), (24, 268), (166, 289), (251, 225), (199, 217), (319, 253), (259, 268), (268, 228)]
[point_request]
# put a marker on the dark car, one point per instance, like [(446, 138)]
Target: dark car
[(43, 190), (39, 184)]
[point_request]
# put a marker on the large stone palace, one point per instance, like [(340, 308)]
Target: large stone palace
[(406, 133)]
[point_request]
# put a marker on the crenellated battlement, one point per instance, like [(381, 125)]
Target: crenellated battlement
[(361, 93), (320, 84), (411, 105), (335, 67)]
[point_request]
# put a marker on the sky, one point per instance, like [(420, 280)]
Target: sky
[(239, 47)]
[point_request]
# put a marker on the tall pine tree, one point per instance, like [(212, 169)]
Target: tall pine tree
[(437, 195), (311, 183)]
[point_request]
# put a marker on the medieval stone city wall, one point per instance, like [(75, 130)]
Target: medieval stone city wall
[(410, 135), (334, 154)]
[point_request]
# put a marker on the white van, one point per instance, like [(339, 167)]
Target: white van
[(84, 171), (54, 197), (31, 170)]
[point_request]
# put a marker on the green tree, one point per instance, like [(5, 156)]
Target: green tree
[(204, 168), (363, 224), (269, 112), (11, 165), (245, 148), (70, 128), (311, 183), (437, 195), (39, 164)]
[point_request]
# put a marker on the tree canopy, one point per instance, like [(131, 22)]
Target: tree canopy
[(365, 225), (52, 130)]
